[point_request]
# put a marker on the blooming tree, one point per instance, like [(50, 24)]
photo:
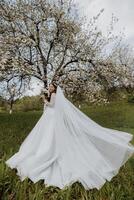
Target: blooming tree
[(48, 40)]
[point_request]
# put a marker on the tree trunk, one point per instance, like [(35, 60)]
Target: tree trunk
[(11, 107)]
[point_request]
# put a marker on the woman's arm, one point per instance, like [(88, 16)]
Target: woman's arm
[(52, 100)]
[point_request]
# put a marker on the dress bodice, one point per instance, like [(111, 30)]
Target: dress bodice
[(51, 103)]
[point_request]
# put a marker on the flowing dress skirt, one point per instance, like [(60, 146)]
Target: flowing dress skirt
[(67, 146)]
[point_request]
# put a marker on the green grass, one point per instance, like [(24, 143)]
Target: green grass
[(14, 128)]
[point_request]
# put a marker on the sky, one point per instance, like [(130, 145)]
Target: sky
[(121, 9)]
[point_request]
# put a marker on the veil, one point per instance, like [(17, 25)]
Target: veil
[(75, 124), (67, 111)]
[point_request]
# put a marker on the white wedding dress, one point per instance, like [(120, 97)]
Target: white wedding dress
[(66, 146)]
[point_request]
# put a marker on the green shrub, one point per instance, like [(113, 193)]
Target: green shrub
[(131, 98)]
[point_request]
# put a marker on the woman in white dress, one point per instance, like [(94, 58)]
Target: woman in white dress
[(66, 146)]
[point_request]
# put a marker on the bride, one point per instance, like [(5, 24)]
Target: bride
[(66, 146)]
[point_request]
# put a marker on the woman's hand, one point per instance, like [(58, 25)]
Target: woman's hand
[(45, 101)]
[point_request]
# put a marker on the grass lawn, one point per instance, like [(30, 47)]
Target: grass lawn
[(14, 128)]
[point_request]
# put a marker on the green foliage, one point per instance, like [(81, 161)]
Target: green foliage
[(15, 127), (131, 98), (115, 115), (3, 104), (28, 104)]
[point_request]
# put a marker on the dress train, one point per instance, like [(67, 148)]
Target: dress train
[(66, 146)]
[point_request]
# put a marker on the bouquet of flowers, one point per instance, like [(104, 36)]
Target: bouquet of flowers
[(45, 95)]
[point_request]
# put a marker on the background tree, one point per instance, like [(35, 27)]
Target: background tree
[(13, 89), (48, 41)]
